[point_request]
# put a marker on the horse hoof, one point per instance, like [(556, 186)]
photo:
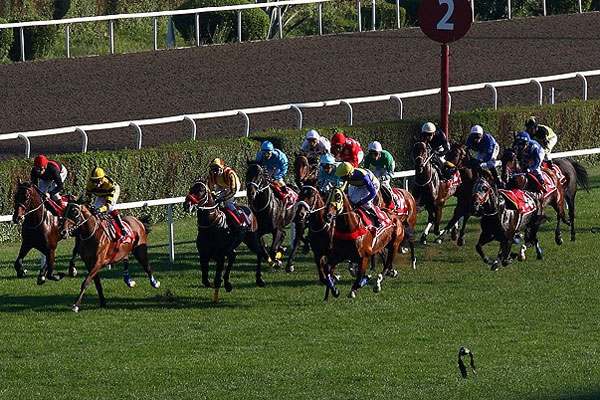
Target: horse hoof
[(21, 273), (277, 264), (437, 241), (505, 263), (540, 257), (73, 272), (215, 296), (352, 294), (155, 284), (559, 240), (572, 238), (56, 277), (352, 269), (393, 273), (103, 303), (404, 250), (335, 292), (75, 308), (131, 283), (228, 287), (521, 257), (460, 241), (423, 241), (336, 278), (289, 268), (260, 282), (41, 280), (494, 267)]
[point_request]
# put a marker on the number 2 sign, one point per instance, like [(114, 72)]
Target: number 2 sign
[(445, 21)]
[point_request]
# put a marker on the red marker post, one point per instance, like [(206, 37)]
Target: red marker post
[(445, 21)]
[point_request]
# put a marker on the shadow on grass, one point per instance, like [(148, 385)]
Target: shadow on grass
[(580, 396)]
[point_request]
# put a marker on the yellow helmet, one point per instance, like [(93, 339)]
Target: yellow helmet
[(344, 169), (216, 163), (97, 174)]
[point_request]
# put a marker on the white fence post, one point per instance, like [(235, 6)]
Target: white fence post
[(544, 6), (22, 39), (239, 25), (509, 11), (359, 16), (585, 90), (197, 29), (321, 18), (111, 34), (171, 233), (373, 11), (155, 34), (27, 144), (540, 91), (494, 95), (138, 130), (246, 123), (84, 140), (67, 41), (350, 113)]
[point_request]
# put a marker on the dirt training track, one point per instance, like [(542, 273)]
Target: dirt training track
[(58, 93)]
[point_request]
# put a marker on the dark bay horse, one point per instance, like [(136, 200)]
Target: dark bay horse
[(434, 192), (305, 173), (352, 241), (514, 177), (271, 213), (217, 241), (575, 175), (97, 249), (39, 231), (501, 223)]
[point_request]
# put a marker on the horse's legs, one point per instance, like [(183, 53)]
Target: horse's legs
[(461, 236), (361, 280), (220, 262), (204, 260), (72, 269), (25, 248), (278, 236), (47, 271), (126, 277), (141, 254), (256, 245), (99, 290), (484, 239), (560, 214), (297, 239), (571, 206), (93, 269), (430, 220), (230, 260), (438, 218)]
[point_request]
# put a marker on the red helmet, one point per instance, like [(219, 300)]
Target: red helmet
[(40, 161), (338, 138)]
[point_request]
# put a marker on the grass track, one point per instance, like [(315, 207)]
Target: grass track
[(533, 327)]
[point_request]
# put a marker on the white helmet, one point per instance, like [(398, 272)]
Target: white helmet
[(477, 129), (375, 146), (428, 127), (312, 134)]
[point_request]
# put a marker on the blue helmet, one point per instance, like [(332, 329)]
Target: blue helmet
[(267, 146), (522, 138), (327, 158)]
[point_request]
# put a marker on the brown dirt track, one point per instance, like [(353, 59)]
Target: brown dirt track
[(57, 93)]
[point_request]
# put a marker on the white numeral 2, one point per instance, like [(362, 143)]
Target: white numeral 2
[(444, 25)]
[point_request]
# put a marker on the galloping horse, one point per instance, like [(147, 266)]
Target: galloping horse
[(216, 240), (575, 173), (352, 241), (40, 232), (501, 223), (97, 249), (305, 173), (271, 213), (433, 192), (514, 177)]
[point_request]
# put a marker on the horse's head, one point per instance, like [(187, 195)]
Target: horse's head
[(256, 180), (335, 203), (198, 196), (510, 165), (420, 156), (26, 198), (74, 215), (309, 200), (482, 195), (304, 172)]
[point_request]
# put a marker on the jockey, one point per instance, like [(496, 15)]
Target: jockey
[(314, 146), (225, 183), (531, 154), (327, 177), (275, 162), (49, 176), (542, 134), (346, 149), (438, 144), (106, 191), (363, 188), (486, 147)]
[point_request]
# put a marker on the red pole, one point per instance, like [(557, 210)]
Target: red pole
[(445, 82)]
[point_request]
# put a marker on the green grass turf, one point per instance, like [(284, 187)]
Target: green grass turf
[(533, 327)]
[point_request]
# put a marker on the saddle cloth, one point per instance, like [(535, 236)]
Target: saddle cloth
[(239, 219), (455, 180), (383, 217), (57, 208), (556, 169), (289, 198), (398, 204), (522, 201), (550, 186), (113, 230)]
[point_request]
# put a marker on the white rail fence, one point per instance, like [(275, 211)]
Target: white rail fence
[(297, 109), (197, 11), (171, 202)]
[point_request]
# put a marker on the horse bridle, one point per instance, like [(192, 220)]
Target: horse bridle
[(259, 189), (78, 225), (309, 207), (482, 199), (220, 217), (422, 167), (25, 206)]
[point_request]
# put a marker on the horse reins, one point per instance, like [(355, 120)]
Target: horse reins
[(42, 206), (219, 219)]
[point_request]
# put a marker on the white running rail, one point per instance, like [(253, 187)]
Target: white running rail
[(297, 109), (170, 202)]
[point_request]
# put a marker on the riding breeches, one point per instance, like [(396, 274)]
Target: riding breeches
[(48, 186), (101, 201), (548, 149), (487, 160), (357, 193)]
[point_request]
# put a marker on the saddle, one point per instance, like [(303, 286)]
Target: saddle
[(113, 231), (239, 219), (454, 180), (288, 199), (398, 204), (57, 209), (549, 185), (556, 169), (366, 219), (522, 201)]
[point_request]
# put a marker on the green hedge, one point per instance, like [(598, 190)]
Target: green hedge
[(168, 171), (39, 40), (6, 39)]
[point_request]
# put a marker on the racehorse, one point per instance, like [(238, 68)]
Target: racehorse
[(352, 241), (305, 173), (271, 213), (458, 156), (501, 223), (513, 176), (216, 240), (40, 232), (97, 248), (434, 192)]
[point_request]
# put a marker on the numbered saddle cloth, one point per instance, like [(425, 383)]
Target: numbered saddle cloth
[(398, 204), (559, 174), (113, 231), (455, 180), (366, 219), (239, 219), (548, 182), (289, 198), (522, 201)]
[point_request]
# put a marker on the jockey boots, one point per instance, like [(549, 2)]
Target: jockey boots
[(373, 215), (117, 217)]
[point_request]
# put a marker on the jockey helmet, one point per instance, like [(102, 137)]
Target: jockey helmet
[(267, 146), (428, 127), (40, 161), (338, 139), (375, 146), (522, 138), (312, 134), (97, 174), (476, 131), (216, 163), (531, 122), (344, 169), (327, 159)]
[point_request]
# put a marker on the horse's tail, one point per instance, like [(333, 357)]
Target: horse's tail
[(581, 173), (145, 220)]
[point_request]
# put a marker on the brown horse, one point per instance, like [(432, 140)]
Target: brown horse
[(352, 241), (40, 232), (97, 248), (433, 193), (305, 173), (514, 177)]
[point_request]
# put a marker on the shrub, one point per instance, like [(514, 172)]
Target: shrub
[(215, 24), (385, 15), (39, 40), (6, 39), (61, 8)]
